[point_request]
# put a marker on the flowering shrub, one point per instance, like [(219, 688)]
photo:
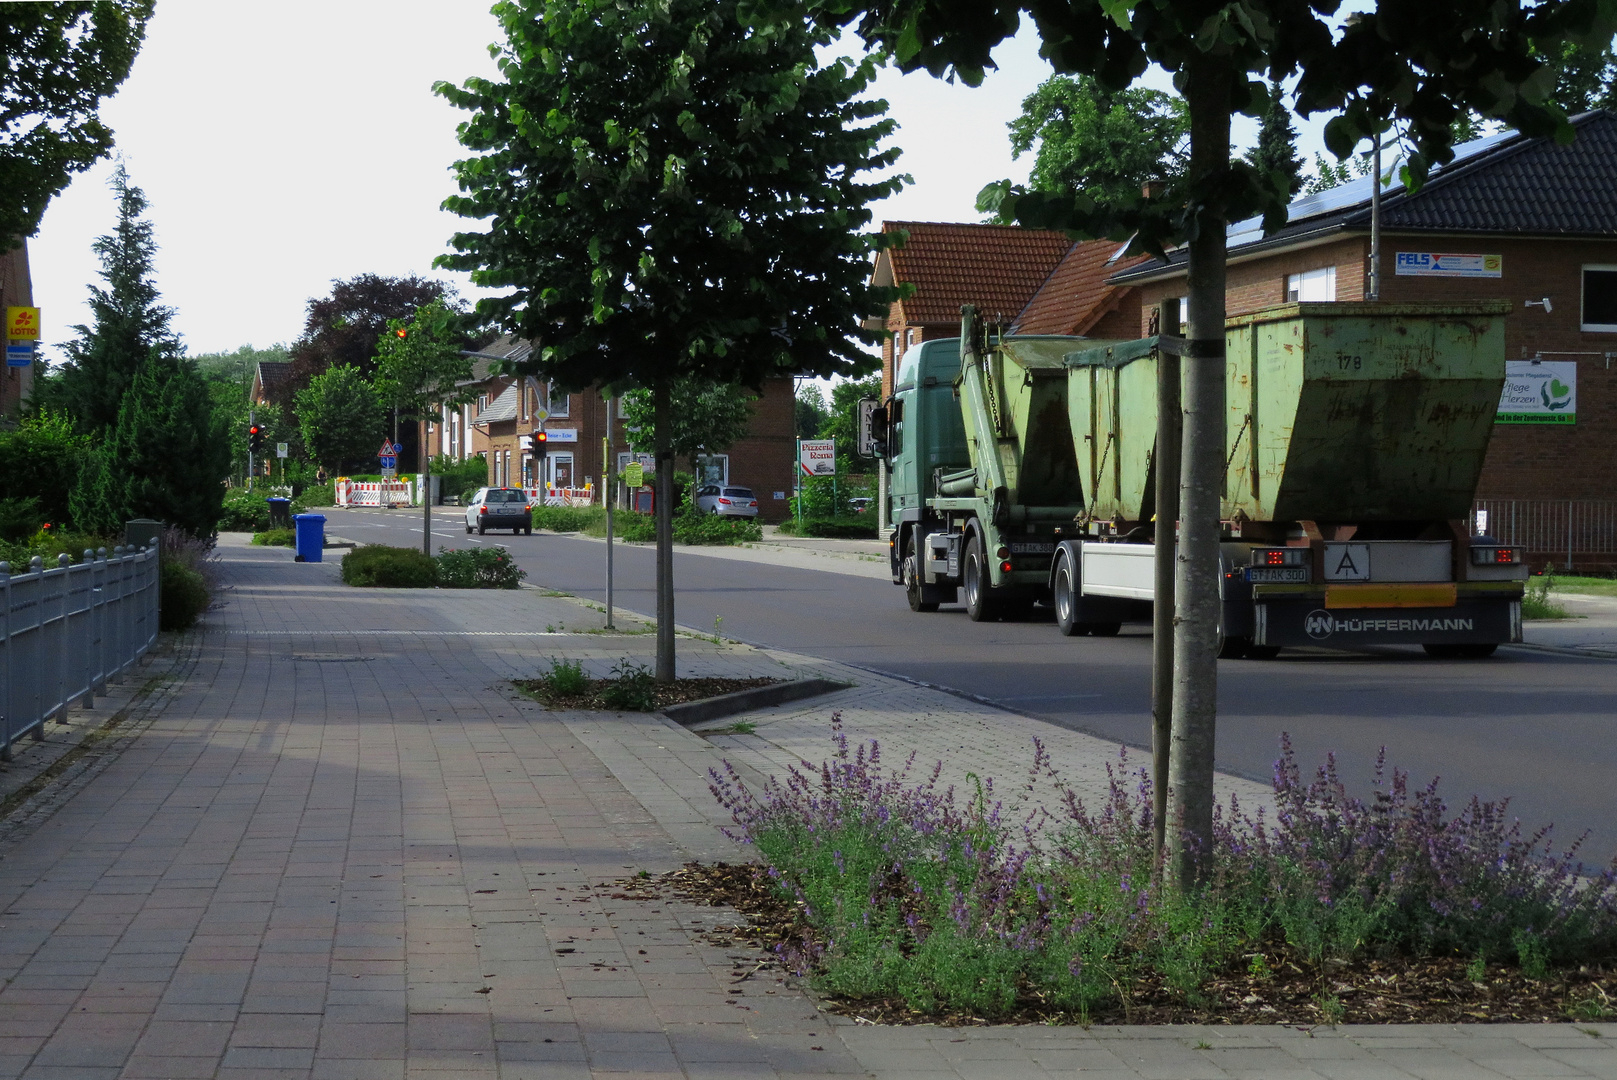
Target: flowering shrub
[(910, 891)]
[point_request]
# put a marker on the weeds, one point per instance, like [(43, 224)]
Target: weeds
[(967, 903), (631, 687), (566, 678), (1536, 603), (742, 727)]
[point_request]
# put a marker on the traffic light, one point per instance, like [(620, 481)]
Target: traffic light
[(402, 332), (255, 438), (541, 445)]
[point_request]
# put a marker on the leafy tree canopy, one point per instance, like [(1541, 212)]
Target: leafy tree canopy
[(708, 417), (421, 364), (341, 417), (62, 59), (344, 327), (129, 324), (810, 409), (671, 189), (1104, 143), (842, 421)]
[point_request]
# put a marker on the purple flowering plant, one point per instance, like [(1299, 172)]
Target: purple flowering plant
[(966, 900)]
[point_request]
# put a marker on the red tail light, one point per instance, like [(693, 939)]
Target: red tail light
[(1005, 567), (482, 509), (724, 502)]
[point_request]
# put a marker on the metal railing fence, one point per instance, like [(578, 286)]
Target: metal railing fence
[(1560, 527), (65, 631)]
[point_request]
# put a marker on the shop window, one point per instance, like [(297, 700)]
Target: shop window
[(1312, 286), (1600, 299)]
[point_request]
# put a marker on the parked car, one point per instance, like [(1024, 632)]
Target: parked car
[(499, 508), (859, 504), (727, 501)]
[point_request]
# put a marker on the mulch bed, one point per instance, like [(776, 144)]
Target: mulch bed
[(1433, 990), (678, 692)]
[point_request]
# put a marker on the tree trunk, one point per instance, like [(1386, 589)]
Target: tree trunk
[(426, 504), (1169, 416), (663, 419), (1196, 585)]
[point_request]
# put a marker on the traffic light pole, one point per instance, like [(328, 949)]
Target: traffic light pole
[(607, 481), (252, 422)]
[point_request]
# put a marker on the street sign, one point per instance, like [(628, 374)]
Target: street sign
[(817, 457), (280, 449), (22, 323), (398, 448), (867, 432), (20, 355), (634, 474), (389, 461), (387, 448), (388, 472)]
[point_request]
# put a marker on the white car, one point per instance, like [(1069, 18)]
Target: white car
[(727, 501), (499, 508)]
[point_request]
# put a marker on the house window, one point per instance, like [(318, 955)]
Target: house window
[(1600, 299), (1312, 285), (559, 403)]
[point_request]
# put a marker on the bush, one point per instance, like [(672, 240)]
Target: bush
[(572, 518), (184, 596), (626, 525), (908, 893), (697, 528), (631, 688), (182, 548), (49, 543), (852, 527), (315, 495), (244, 511), (460, 477), (276, 538), (566, 678), (19, 519), (478, 568), (383, 567)]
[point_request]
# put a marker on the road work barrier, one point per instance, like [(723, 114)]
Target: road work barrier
[(560, 496), (67, 630), (373, 493)]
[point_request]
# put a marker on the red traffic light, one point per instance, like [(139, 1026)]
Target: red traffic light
[(540, 436), (402, 332)]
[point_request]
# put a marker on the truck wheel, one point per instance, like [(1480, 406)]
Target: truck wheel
[(1103, 629), (1066, 600), (911, 572), (974, 577), (1232, 647)]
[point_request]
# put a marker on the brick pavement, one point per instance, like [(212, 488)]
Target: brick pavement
[(345, 852)]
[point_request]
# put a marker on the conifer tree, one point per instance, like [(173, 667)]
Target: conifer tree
[(128, 322), (1276, 151)]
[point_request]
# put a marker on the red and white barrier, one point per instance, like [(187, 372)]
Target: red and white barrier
[(363, 493), (565, 496)]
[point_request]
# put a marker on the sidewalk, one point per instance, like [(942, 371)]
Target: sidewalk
[(343, 848)]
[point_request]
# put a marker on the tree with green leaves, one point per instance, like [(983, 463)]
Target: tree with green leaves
[(1276, 152), (62, 59), (420, 368), (128, 326), (41, 460), (1101, 142), (809, 409), (842, 418), (671, 190), (341, 418), (1399, 64), (229, 376), (167, 457), (707, 418)]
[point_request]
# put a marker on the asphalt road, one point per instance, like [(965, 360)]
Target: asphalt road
[(1538, 728)]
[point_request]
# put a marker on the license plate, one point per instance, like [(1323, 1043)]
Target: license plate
[(1032, 549), (1286, 575)]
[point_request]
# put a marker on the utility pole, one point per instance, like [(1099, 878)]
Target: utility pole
[(1373, 284), (608, 482), (1169, 420), (426, 491), (252, 420)]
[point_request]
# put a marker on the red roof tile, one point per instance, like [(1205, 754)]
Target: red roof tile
[(1076, 295), (996, 267)]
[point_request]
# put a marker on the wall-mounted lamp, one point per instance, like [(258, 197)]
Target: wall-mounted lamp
[(1544, 303)]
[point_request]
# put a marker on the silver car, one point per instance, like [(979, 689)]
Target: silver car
[(499, 508), (726, 501)]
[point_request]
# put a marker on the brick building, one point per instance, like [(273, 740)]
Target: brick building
[(507, 409), (1512, 218), (16, 290)]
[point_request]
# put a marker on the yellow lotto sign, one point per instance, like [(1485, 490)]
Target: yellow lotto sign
[(22, 323)]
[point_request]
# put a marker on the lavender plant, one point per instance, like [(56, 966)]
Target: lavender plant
[(962, 901)]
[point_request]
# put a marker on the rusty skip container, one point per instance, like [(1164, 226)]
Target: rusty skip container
[(1337, 412)]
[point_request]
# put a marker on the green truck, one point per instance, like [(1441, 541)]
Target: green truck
[(1022, 473)]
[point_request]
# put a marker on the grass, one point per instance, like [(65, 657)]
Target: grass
[(1589, 586), (1536, 602)]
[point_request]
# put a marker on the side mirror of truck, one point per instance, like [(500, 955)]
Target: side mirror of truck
[(878, 430)]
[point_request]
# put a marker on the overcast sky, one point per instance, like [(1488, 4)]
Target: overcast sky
[(286, 145)]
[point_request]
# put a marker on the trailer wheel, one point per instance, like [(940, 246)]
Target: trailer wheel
[(911, 572), (1231, 647), (1066, 599), (1262, 652), (974, 577)]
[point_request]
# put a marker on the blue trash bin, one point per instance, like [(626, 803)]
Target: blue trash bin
[(311, 536)]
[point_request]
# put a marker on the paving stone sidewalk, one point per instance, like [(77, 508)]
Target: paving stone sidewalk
[(343, 848)]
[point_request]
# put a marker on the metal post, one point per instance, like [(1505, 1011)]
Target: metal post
[(250, 422), (608, 482), (1569, 536), (1167, 533), (8, 694), (1373, 286), (797, 471)]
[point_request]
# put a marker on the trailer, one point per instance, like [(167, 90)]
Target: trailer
[(1022, 473)]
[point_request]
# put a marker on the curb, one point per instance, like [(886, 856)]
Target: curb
[(759, 697), (1564, 650)]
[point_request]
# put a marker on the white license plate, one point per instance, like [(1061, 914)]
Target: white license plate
[(1286, 575)]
